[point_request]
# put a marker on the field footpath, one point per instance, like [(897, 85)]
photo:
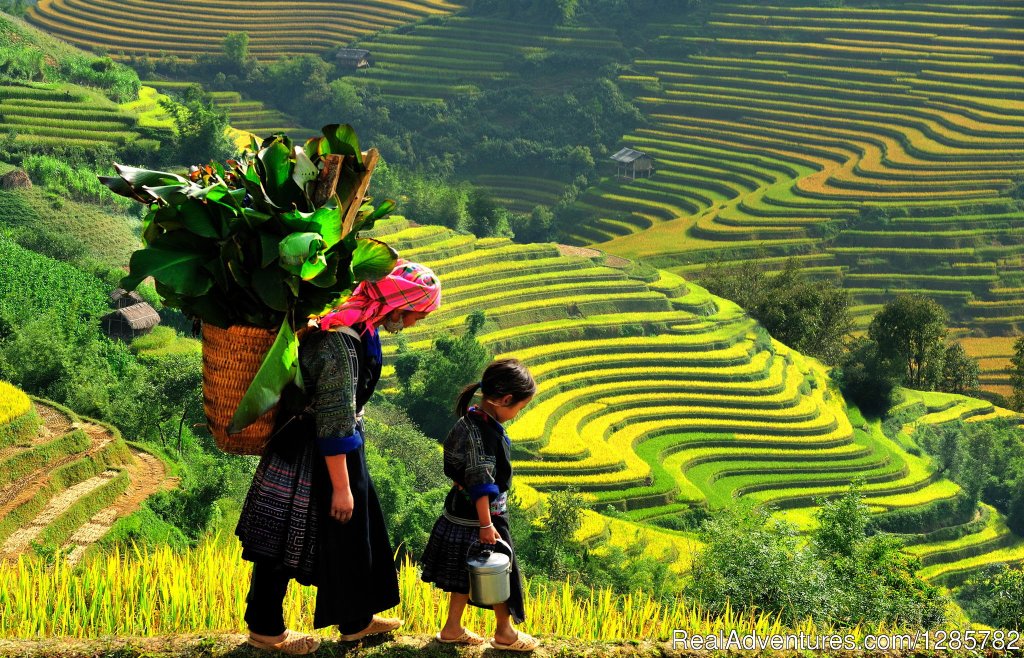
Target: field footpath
[(398, 646), (147, 474)]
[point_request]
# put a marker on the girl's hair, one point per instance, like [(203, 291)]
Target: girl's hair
[(503, 377)]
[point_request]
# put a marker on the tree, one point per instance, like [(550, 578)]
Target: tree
[(235, 47), (810, 316), (910, 330), (431, 380), (960, 372), (867, 379), (200, 128), (1017, 375), (996, 596)]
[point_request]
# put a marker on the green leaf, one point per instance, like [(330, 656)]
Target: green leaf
[(372, 259), (139, 178), (279, 367), (326, 221), (303, 254), (173, 260), (268, 249), (268, 282), (196, 218), (277, 165), (305, 172), (312, 147), (343, 140)]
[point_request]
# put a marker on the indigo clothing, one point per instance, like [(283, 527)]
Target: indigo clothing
[(477, 457), (285, 525)]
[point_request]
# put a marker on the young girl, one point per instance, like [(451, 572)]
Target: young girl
[(477, 459)]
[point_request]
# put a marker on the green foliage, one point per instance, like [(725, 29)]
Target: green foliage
[(1017, 375), (28, 54), (431, 380), (910, 331), (960, 372), (70, 181), (548, 549), (995, 596), (842, 576), (812, 317), (200, 125), (867, 379), (985, 459)]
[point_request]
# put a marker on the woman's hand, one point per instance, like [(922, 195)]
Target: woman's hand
[(488, 535), (342, 504)]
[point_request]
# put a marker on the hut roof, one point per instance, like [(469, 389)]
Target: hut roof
[(352, 53), (628, 155), (139, 316), (121, 293), (15, 179)]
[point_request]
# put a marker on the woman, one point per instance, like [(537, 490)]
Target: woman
[(312, 513)]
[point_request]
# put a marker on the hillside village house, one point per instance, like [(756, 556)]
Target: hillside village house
[(354, 58), (130, 322), (631, 163)]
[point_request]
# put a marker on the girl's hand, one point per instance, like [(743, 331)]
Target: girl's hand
[(489, 535), (342, 504)]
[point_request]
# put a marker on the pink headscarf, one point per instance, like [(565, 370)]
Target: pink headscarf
[(410, 286)]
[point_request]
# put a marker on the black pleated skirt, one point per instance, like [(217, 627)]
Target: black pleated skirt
[(286, 521), (444, 561)]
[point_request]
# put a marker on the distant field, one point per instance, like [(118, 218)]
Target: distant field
[(656, 397), (44, 116), (778, 129), (148, 27)]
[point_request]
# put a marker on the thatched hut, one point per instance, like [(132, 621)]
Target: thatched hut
[(131, 321), (121, 298), (353, 58), (631, 163)]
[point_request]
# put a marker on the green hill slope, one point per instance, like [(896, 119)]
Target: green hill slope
[(656, 396), (57, 99), (886, 139)]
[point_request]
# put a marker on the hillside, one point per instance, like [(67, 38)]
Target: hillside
[(55, 98), (145, 27), (657, 396), (880, 142), (65, 479)]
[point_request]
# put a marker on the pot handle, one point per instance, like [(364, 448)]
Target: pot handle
[(486, 548)]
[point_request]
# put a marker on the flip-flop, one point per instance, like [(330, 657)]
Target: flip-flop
[(294, 644), (468, 638), (378, 625), (523, 642)]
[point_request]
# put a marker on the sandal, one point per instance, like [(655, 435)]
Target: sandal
[(377, 625), (524, 642), (468, 638), (294, 644)]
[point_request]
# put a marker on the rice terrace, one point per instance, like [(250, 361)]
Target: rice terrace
[(762, 262)]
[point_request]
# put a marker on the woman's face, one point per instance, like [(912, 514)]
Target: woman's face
[(399, 319)]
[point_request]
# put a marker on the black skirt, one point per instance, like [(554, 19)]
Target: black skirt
[(444, 561), (286, 521)]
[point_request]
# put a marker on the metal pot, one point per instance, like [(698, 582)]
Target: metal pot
[(489, 573)]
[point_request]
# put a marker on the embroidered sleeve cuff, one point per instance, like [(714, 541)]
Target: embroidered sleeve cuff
[(340, 444), (490, 490)]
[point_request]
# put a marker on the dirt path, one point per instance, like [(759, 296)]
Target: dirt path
[(587, 252), (25, 487), (147, 475)]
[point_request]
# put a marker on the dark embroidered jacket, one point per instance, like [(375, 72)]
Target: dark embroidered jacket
[(342, 373), (477, 456)]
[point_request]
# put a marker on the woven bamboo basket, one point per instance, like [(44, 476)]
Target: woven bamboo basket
[(231, 358)]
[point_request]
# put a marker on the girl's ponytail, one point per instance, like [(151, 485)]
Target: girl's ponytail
[(462, 404)]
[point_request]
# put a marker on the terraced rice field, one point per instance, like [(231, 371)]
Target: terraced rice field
[(153, 28), (60, 115), (993, 355), (460, 54), (65, 482), (656, 397), (243, 115), (774, 126)]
